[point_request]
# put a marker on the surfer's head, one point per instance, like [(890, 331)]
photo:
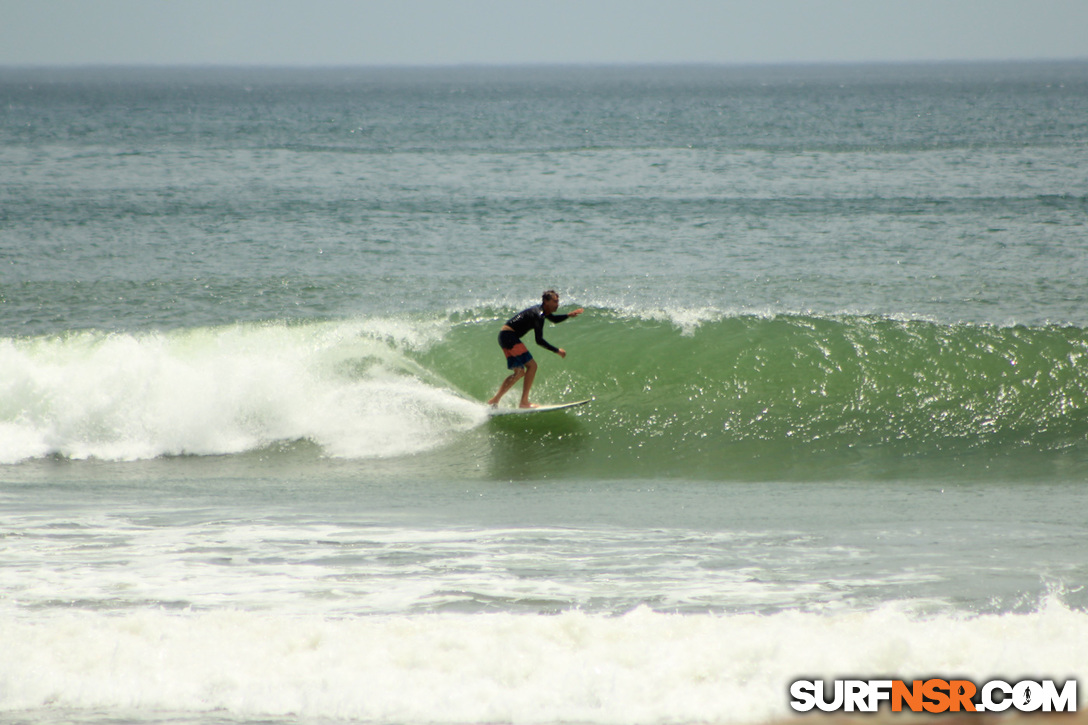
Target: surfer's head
[(550, 299)]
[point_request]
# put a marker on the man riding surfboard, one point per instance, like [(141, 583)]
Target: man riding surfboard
[(518, 357)]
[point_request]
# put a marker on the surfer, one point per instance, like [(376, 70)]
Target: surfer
[(518, 357)]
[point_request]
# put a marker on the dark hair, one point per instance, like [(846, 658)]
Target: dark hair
[(549, 295)]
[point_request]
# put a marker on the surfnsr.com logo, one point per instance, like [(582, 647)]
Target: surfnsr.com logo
[(933, 695)]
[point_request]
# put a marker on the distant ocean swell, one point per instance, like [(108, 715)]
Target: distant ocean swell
[(718, 396)]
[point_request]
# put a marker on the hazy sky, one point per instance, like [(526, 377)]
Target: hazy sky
[(443, 32)]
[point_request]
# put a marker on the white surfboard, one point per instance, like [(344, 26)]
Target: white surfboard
[(539, 409)]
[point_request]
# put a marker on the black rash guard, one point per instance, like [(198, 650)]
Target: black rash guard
[(533, 319)]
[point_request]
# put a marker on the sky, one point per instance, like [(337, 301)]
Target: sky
[(519, 32)]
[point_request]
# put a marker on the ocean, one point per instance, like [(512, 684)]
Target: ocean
[(835, 329)]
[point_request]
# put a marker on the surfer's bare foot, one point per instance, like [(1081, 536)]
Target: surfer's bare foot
[(528, 405)]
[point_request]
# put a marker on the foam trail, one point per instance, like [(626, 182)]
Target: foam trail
[(643, 667), (226, 390)]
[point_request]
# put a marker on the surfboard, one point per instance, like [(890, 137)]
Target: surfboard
[(539, 409)]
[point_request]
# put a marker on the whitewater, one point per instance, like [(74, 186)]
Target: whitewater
[(345, 387), (642, 667)]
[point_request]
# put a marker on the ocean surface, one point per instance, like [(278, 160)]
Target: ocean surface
[(836, 332)]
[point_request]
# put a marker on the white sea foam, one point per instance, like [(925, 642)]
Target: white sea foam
[(643, 667), (345, 386)]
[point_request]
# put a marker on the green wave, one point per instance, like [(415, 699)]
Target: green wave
[(784, 396)]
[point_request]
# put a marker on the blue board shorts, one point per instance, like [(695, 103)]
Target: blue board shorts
[(517, 355)]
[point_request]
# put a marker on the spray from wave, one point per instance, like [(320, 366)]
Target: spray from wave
[(347, 387)]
